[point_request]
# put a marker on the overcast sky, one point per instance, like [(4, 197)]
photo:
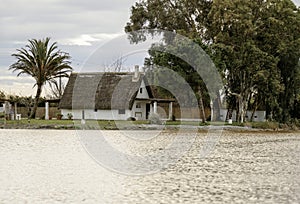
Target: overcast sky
[(81, 28), (78, 26)]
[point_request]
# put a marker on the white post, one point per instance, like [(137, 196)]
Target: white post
[(170, 110), (151, 108), (6, 110), (47, 111), (155, 107), (211, 111)]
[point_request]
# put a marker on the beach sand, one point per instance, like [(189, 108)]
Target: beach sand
[(52, 166)]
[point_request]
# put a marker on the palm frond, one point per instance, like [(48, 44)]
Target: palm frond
[(41, 60)]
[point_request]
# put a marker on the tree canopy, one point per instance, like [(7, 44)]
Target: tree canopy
[(254, 43)]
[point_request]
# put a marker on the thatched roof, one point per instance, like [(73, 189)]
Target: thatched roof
[(103, 91)]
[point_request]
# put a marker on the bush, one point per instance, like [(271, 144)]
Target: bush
[(296, 122), (70, 116), (131, 119), (154, 119), (59, 116), (265, 125)]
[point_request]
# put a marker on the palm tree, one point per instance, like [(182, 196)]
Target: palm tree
[(43, 62)]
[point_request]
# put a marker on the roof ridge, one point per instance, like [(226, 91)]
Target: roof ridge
[(102, 73)]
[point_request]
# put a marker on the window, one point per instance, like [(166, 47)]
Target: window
[(121, 111), (138, 105), (138, 114), (141, 90)]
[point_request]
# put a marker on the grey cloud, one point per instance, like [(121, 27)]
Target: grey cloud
[(114, 5), (22, 19), (9, 78), (297, 2), (18, 80), (64, 21)]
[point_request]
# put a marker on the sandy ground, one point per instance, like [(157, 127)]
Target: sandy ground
[(52, 166)]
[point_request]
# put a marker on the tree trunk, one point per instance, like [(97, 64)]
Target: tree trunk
[(243, 110), (239, 114), (36, 101), (217, 106), (227, 115), (256, 105), (252, 114), (240, 109), (203, 117)]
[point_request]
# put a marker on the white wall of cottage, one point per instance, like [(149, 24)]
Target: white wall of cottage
[(96, 114)]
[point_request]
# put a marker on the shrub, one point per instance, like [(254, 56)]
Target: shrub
[(296, 122), (131, 119), (154, 119), (265, 125), (70, 116), (59, 116)]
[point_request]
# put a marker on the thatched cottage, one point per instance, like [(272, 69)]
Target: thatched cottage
[(109, 96)]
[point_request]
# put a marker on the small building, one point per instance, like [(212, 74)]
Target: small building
[(109, 96), (8, 109)]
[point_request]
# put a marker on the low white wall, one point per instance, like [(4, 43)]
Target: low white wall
[(223, 113), (97, 115), (259, 116)]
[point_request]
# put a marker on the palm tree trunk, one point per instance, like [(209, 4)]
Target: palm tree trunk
[(36, 101)]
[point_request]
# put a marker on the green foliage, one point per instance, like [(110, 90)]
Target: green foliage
[(254, 44), (2, 95), (70, 116), (42, 61), (59, 116), (265, 125)]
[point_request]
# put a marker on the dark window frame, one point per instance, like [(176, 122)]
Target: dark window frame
[(121, 111), (138, 105)]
